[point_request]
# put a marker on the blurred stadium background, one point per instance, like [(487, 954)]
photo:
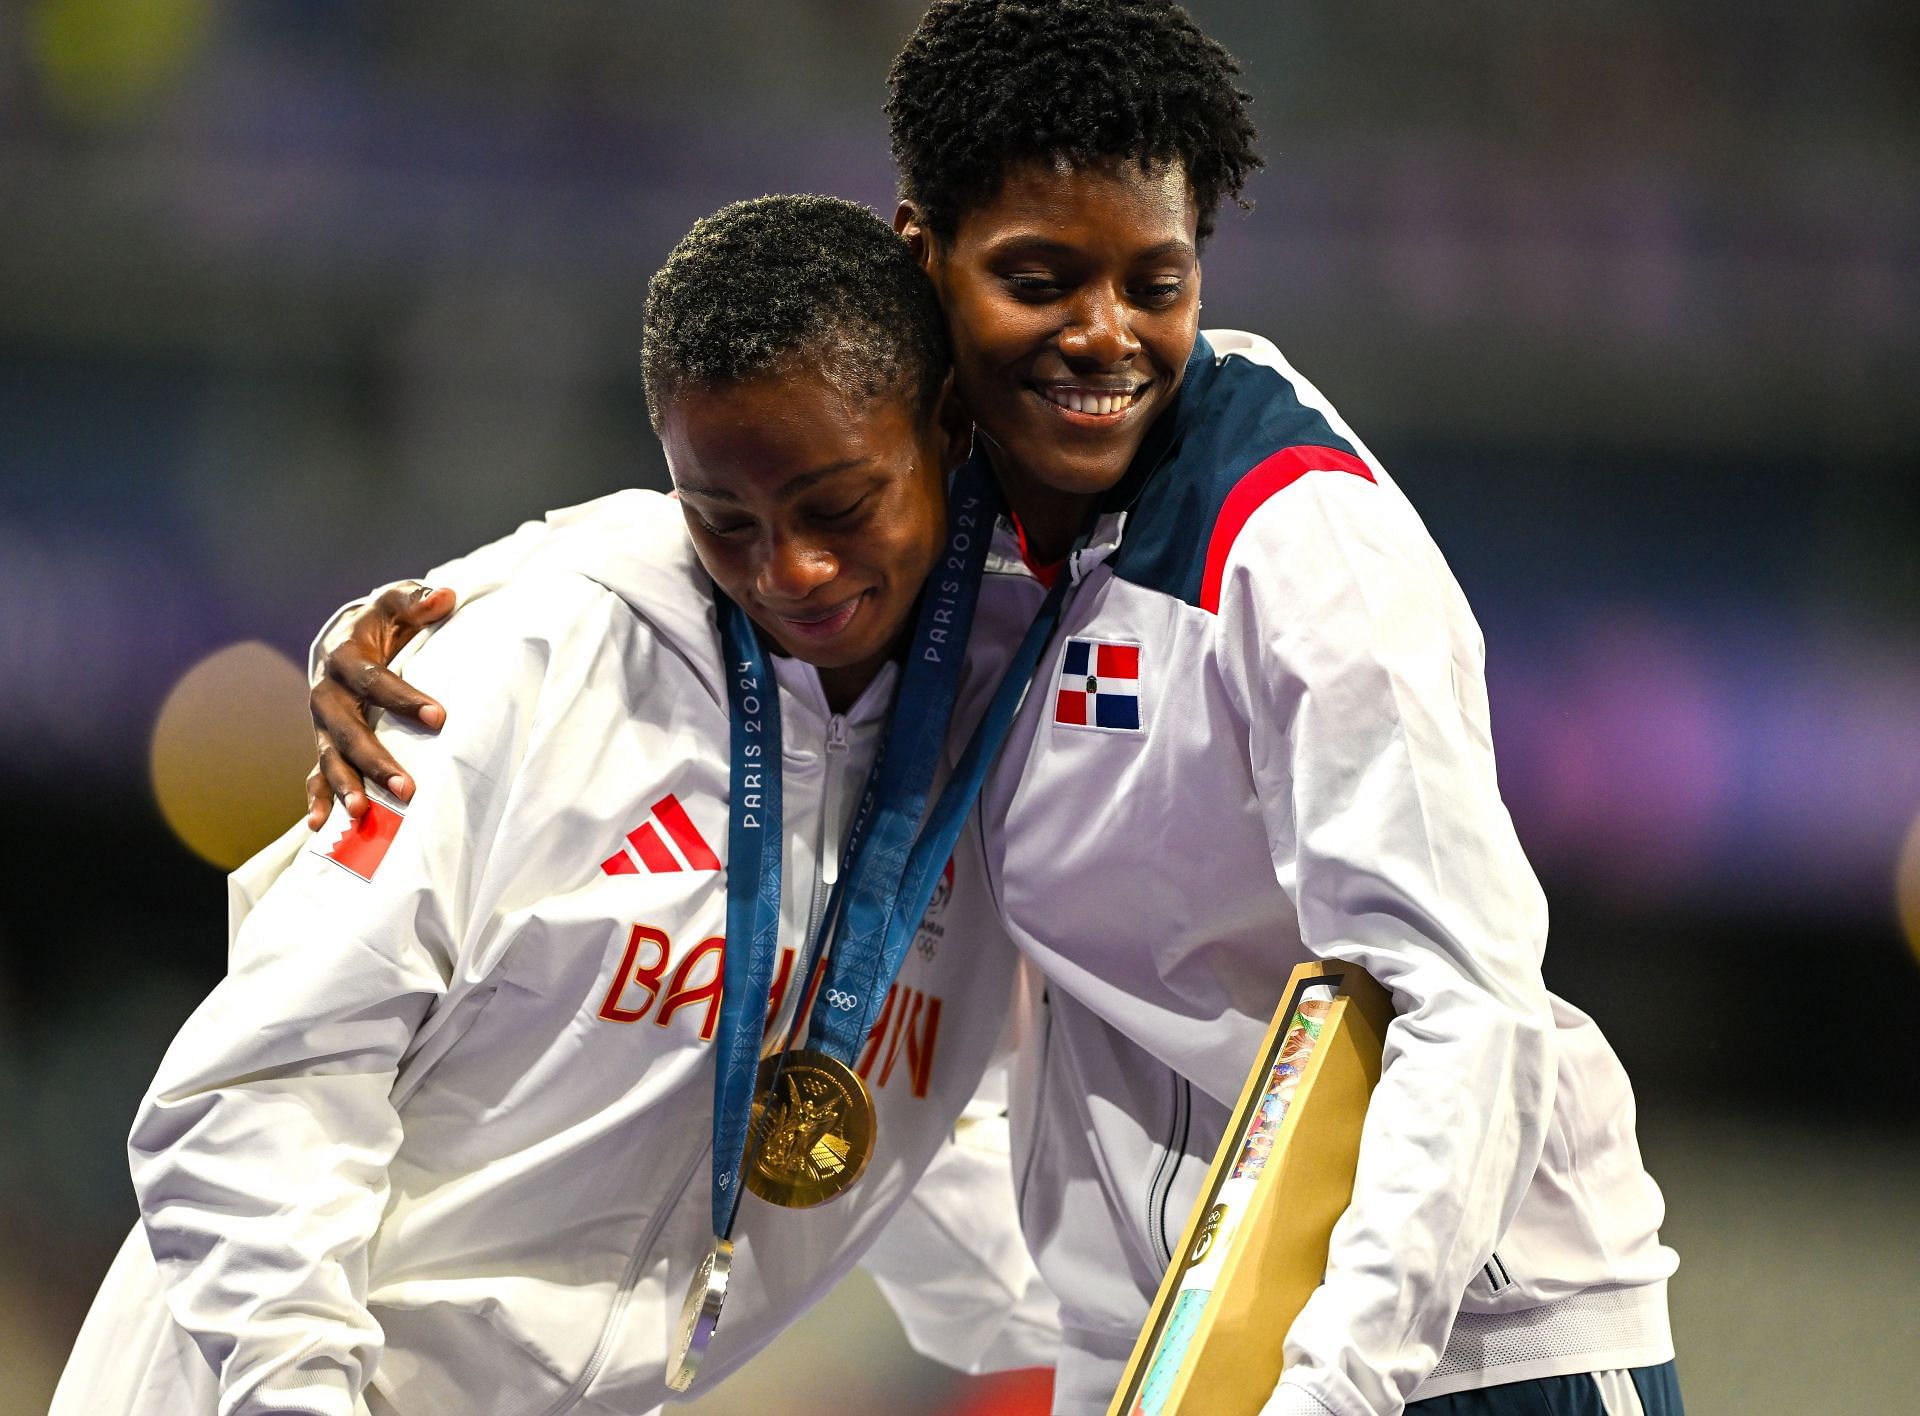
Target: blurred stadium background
[(301, 295)]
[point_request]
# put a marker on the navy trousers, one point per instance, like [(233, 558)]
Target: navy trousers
[(1589, 1394)]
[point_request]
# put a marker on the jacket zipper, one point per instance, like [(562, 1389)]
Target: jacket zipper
[(824, 876), (625, 1292), (828, 868), (826, 872)]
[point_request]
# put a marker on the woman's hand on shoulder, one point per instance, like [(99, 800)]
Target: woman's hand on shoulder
[(354, 678)]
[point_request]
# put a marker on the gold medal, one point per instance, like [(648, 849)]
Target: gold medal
[(700, 1314), (811, 1133)]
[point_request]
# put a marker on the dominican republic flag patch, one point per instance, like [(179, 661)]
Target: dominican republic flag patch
[(1099, 686)]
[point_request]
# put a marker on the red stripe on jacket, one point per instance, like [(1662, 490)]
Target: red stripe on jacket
[(1250, 493)]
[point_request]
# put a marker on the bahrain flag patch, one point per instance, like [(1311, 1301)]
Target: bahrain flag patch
[(363, 844)]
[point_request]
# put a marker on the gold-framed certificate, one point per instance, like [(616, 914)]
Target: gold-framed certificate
[(1255, 1246)]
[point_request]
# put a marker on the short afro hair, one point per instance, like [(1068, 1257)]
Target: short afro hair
[(984, 85), (778, 283)]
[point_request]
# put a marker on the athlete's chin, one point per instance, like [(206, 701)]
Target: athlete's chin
[(1074, 465), (837, 656), (1080, 476)]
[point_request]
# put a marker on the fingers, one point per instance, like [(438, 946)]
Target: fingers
[(319, 799), (427, 607), (387, 608), (348, 749), (332, 777), (399, 612), (355, 680), (363, 674), (378, 633)]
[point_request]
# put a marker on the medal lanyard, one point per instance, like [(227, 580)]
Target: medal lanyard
[(880, 841), (890, 864), (882, 894), (754, 841)]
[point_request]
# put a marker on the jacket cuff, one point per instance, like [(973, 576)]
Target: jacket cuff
[(326, 1399), (1290, 1400)]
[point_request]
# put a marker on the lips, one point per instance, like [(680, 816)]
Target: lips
[(821, 625), (1091, 405)]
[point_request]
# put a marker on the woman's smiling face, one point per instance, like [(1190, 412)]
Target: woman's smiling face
[(1073, 301), (819, 513)]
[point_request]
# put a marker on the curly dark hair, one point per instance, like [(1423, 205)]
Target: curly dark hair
[(983, 85), (776, 283)]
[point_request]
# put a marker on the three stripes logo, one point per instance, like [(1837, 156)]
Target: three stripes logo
[(667, 841)]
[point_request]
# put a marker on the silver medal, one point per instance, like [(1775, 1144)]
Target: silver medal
[(700, 1315)]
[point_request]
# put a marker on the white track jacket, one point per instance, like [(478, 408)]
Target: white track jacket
[(1260, 735), (440, 1141)]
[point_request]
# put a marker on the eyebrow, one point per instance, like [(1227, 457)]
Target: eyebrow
[(1034, 241), (793, 487)]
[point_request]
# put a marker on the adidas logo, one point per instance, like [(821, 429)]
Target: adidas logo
[(655, 854)]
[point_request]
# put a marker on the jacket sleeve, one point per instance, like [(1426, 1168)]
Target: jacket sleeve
[(1350, 651), (485, 569), (260, 1154), (953, 1265)]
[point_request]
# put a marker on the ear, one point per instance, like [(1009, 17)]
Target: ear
[(911, 223), (955, 425)]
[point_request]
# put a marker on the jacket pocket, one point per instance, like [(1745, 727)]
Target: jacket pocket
[(1036, 1092)]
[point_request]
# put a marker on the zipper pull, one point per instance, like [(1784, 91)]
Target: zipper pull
[(837, 733)]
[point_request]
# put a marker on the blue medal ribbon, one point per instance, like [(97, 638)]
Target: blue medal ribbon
[(754, 841), (890, 864), (885, 888)]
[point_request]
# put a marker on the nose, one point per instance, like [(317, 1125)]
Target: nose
[(1099, 330), (792, 568)]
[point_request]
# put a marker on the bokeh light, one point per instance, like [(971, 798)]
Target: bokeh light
[(230, 750), (1623, 760), (98, 57), (1907, 888)]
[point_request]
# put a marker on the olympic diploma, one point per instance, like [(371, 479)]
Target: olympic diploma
[(1256, 1243)]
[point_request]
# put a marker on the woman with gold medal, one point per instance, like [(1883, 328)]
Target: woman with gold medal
[(1264, 739), (812, 1125), (469, 1113)]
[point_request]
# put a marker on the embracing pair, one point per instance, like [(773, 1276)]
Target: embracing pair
[(1019, 684)]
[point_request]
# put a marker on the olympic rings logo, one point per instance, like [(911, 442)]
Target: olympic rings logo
[(841, 999)]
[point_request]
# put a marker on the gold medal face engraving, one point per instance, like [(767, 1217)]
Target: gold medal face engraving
[(700, 1315), (811, 1133)]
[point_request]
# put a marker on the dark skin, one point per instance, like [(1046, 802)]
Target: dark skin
[(1073, 300), (353, 680), (820, 513)]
